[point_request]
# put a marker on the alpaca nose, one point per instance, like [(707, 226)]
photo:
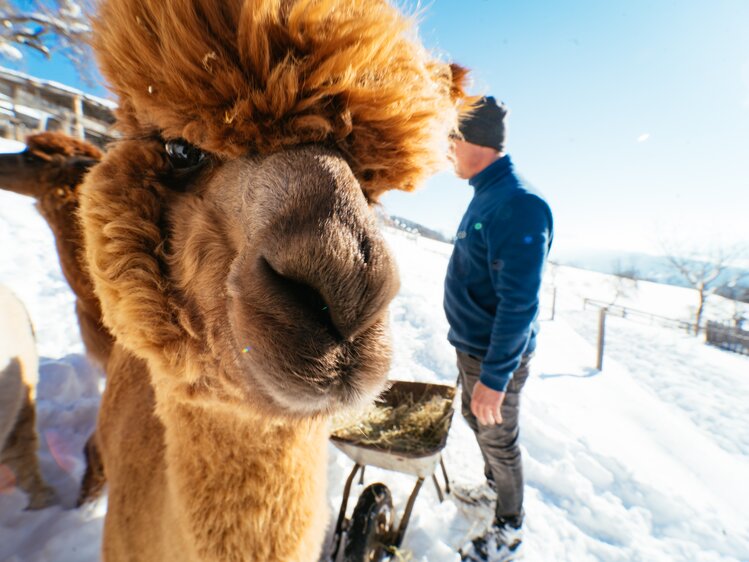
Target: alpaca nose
[(321, 256), (304, 297), (343, 286)]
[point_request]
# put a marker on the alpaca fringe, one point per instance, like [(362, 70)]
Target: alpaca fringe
[(259, 76)]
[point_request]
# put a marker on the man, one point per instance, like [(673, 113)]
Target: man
[(491, 302)]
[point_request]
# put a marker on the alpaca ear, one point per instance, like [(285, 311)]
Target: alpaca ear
[(81, 163), (459, 81), (77, 166), (464, 101)]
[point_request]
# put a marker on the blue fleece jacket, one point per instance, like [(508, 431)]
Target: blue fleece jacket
[(494, 275)]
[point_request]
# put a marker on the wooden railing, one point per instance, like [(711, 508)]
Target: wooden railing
[(30, 105), (727, 337), (639, 315)]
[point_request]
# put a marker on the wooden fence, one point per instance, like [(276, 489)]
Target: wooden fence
[(727, 337), (639, 315), (31, 105)]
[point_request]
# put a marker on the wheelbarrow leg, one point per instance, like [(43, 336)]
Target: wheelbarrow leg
[(438, 487), (407, 514), (437, 484), (342, 512), (444, 473)]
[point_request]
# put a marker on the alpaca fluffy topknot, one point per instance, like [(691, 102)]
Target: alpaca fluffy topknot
[(255, 76)]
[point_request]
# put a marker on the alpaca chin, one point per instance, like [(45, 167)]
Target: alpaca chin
[(302, 393), (313, 403)]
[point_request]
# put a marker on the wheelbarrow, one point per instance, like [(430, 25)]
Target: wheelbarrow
[(371, 533)]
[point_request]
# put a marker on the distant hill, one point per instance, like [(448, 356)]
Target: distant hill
[(648, 268), (412, 227), (635, 265)]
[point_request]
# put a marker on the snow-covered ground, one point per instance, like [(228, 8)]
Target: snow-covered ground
[(646, 460)]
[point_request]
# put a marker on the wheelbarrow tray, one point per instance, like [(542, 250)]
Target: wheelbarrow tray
[(418, 463)]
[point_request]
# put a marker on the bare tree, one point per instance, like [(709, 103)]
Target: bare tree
[(46, 26), (738, 293), (704, 271), (624, 281)]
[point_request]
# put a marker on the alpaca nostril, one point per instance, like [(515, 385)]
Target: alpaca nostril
[(304, 298)]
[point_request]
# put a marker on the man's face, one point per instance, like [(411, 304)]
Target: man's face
[(469, 159), (460, 157)]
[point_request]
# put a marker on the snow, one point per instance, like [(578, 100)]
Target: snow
[(644, 461), (8, 107), (8, 146), (10, 52)]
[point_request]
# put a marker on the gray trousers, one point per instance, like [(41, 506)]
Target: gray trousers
[(498, 443)]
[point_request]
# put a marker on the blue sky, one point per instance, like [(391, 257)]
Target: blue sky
[(584, 81), (632, 117)]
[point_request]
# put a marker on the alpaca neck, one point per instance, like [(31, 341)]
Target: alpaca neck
[(62, 218), (255, 486)]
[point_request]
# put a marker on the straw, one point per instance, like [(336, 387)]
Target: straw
[(410, 427)]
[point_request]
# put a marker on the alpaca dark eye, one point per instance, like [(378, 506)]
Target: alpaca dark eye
[(184, 156)]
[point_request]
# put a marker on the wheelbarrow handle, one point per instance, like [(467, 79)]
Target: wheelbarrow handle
[(407, 514), (342, 513)]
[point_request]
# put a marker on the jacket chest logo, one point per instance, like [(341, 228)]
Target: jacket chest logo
[(463, 233)]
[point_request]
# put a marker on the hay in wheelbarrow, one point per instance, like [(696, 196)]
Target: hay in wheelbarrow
[(408, 427)]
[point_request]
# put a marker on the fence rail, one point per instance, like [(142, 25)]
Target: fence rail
[(727, 337), (639, 315)]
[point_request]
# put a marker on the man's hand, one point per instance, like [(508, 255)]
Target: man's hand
[(486, 404)]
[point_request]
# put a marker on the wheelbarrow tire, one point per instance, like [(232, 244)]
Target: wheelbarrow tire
[(370, 534)]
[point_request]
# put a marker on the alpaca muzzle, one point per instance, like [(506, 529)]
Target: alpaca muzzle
[(309, 290), (320, 250), (343, 290)]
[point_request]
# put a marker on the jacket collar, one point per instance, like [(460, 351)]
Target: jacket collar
[(493, 173)]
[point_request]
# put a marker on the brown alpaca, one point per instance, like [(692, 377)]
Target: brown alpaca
[(19, 371), (50, 170), (235, 254)]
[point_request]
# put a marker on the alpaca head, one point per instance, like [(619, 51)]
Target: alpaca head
[(50, 168), (230, 233)]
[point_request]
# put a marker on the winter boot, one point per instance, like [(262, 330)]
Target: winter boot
[(501, 543)]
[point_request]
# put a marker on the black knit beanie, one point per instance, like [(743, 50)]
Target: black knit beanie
[(485, 124)]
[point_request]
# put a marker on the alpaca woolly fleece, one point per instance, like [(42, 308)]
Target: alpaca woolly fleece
[(259, 75)]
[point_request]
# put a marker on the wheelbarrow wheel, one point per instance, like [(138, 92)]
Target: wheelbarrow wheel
[(370, 534)]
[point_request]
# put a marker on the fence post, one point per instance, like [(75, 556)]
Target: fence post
[(601, 337), (80, 131), (554, 303)]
